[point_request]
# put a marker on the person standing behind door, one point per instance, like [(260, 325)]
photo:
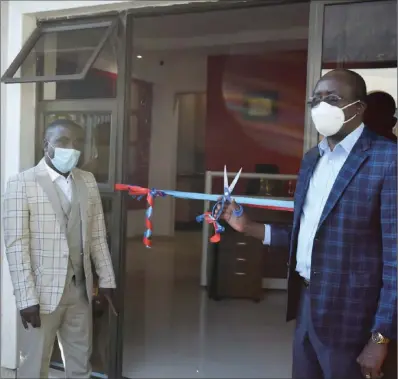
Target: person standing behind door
[(53, 230), (342, 278), (380, 114)]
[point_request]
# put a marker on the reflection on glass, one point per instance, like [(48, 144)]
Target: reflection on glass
[(97, 142), (347, 42), (100, 81), (100, 343), (371, 52), (64, 52)]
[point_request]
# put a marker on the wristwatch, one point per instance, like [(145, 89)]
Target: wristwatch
[(379, 338)]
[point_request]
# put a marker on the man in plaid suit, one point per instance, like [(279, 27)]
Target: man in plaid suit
[(54, 229), (342, 277)]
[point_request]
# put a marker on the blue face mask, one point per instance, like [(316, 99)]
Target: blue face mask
[(65, 160)]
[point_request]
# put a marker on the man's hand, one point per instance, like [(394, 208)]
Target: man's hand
[(371, 359), (105, 294), (240, 224), (31, 315)]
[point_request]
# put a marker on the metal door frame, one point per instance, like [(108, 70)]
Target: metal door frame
[(315, 43), (118, 107)]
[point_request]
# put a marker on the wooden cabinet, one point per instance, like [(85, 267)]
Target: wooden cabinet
[(240, 267), (240, 263)]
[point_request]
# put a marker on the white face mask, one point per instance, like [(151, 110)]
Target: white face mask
[(65, 160), (329, 119)]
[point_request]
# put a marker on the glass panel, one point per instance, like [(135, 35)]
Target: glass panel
[(100, 81), (139, 138), (346, 41), (101, 327), (370, 51), (229, 88), (63, 52), (97, 126)]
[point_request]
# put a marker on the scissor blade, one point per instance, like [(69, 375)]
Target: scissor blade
[(233, 184), (225, 178)]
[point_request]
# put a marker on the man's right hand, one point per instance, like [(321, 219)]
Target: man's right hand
[(31, 315), (240, 224)]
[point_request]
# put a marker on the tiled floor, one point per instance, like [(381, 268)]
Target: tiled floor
[(172, 330)]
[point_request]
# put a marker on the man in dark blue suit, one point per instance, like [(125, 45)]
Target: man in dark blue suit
[(342, 281)]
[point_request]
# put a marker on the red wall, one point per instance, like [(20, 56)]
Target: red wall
[(238, 142)]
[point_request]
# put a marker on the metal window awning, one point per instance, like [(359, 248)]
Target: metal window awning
[(76, 44)]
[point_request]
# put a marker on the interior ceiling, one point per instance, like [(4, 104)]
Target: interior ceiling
[(241, 26)]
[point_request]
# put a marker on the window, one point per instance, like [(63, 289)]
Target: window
[(59, 52)]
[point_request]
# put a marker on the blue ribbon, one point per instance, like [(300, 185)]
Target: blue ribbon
[(239, 199), (219, 200)]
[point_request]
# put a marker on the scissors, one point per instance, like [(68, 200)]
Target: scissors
[(227, 195)]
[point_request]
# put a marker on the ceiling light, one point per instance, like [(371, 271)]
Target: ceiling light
[(139, 56)]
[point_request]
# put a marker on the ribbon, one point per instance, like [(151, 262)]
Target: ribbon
[(139, 193), (208, 217)]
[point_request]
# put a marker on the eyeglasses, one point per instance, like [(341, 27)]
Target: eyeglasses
[(330, 99)]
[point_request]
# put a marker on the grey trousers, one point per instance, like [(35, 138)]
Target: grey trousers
[(71, 322)]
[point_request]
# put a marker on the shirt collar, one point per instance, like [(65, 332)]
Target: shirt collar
[(54, 175), (347, 143)]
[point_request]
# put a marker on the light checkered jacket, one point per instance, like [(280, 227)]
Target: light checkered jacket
[(35, 237)]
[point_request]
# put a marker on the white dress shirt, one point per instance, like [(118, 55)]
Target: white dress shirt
[(65, 184), (320, 185)]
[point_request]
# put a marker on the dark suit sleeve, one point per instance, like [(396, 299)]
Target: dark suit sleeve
[(386, 315), (280, 236)]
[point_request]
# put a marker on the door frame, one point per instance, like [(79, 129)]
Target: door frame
[(118, 107), (315, 44)]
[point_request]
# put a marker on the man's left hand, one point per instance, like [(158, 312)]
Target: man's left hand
[(105, 294), (371, 359)]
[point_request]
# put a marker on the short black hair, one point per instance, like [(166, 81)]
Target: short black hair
[(355, 80), (63, 122)]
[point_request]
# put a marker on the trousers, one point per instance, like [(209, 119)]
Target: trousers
[(71, 323), (313, 360)]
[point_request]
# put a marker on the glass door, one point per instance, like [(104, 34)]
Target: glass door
[(357, 35), (79, 67)]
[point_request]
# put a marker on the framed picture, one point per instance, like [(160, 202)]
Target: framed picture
[(260, 106)]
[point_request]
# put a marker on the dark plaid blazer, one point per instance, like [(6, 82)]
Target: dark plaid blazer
[(353, 282)]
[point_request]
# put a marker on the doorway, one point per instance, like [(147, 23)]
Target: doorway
[(172, 328), (213, 76), (125, 91)]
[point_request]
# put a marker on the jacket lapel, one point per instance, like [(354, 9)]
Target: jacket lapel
[(44, 180), (82, 197), (351, 166)]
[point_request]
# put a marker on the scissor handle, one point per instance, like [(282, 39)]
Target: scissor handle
[(238, 212)]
